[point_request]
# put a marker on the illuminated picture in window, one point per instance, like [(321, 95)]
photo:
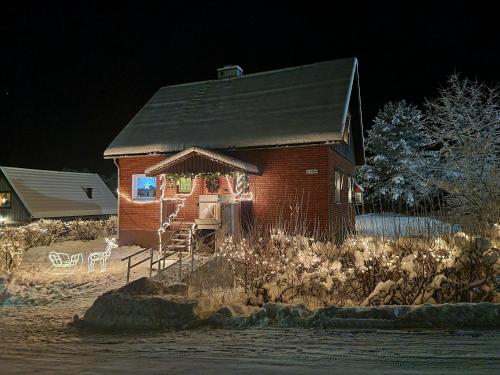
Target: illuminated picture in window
[(184, 185), (144, 187), (5, 199)]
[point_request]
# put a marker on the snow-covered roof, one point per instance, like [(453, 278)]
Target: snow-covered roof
[(299, 105), (60, 194), (216, 157)]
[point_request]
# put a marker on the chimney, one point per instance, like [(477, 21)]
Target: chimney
[(229, 71)]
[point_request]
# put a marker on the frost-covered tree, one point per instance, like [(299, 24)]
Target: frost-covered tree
[(464, 122), (397, 165)]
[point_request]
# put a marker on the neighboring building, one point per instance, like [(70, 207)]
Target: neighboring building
[(243, 148), (28, 194)]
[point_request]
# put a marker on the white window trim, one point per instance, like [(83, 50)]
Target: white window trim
[(134, 189)]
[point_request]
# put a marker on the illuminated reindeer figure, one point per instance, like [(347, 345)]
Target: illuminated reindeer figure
[(101, 256)]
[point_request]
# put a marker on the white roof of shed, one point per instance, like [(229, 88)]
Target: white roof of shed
[(60, 194)]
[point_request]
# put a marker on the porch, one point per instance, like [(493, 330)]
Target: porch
[(205, 189)]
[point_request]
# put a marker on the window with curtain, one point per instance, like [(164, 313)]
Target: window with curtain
[(338, 186)]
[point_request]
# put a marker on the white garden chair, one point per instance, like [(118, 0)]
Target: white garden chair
[(101, 256), (64, 261)]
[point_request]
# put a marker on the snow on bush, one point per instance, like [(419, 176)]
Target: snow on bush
[(15, 241), (279, 267)]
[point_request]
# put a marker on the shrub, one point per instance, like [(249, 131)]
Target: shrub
[(280, 267)]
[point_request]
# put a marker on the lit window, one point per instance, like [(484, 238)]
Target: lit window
[(5, 199), (350, 187), (338, 186), (143, 188), (184, 185)]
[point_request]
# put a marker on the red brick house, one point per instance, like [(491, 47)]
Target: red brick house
[(277, 146)]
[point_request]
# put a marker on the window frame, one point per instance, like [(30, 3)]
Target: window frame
[(350, 189), (10, 199), (134, 188)]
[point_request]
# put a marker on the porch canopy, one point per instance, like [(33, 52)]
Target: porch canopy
[(199, 160)]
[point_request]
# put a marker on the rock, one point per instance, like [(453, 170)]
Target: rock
[(225, 317), (4, 280), (141, 305), (255, 300), (177, 289), (144, 286), (482, 244), (272, 308), (259, 318), (292, 316), (226, 312), (490, 256)]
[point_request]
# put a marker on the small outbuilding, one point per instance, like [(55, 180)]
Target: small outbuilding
[(29, 194)]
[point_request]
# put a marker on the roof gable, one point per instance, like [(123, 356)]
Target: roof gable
[(300, 105), (60, 194)]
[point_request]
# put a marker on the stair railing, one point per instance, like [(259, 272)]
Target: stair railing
[(150, 257), (198, 244)]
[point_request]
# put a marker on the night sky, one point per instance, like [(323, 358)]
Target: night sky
[(72, 77)]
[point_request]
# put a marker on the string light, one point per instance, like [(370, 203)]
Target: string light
[(136, 201), (101, 256)]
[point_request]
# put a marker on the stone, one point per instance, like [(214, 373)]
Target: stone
[(140, 305), (490, 256), (144, 286), (177, 289)]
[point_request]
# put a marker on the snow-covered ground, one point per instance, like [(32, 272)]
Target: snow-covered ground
[(394, 225), (35, 337), (32, 284)]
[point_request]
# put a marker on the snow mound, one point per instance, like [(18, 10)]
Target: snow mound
[(142, 304), (446, 316)]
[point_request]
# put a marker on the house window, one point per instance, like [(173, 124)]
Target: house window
[(184, 185), (339, 181), (5, 199), (143, 188), (350, 187)]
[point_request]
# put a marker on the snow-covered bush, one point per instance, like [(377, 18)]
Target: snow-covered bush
[(91, 229), (279, 267), (14, 241)]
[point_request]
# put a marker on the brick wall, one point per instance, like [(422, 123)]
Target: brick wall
[(283, 187), (138, 223)]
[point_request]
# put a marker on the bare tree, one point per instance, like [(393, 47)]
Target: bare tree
[(464, 123)]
